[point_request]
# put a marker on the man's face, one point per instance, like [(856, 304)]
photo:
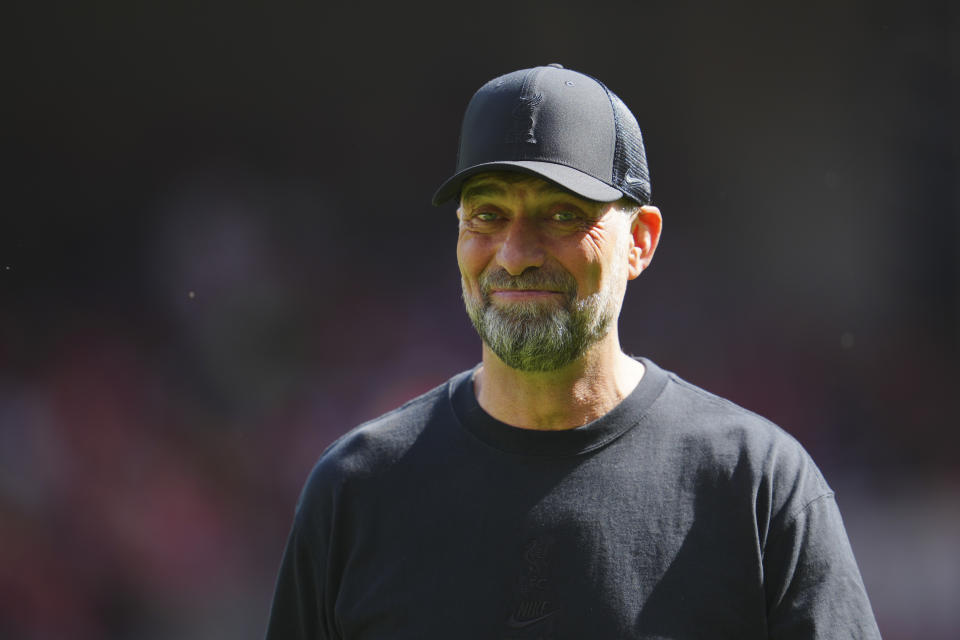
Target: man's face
[(543, 270)]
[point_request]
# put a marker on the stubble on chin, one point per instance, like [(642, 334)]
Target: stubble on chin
[(537, 335)]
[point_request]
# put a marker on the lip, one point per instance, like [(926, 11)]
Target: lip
[(524, 294)]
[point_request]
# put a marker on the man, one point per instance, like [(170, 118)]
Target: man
[(562, 489)]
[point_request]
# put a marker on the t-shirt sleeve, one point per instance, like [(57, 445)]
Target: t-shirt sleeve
[(302, 608), (813, 586), (297, 612)]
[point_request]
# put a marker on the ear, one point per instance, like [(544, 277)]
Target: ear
[(645, 230)]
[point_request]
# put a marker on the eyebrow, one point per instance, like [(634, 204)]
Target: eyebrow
[(482, 190)]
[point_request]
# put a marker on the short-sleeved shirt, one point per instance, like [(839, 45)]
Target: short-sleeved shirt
[(676, 515)]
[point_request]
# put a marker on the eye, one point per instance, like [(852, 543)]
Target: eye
[(486, 216), (564, 216)]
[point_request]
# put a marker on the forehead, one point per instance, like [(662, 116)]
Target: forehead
[(502, 183)]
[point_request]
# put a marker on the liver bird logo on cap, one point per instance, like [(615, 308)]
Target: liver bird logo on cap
[(525, 114)]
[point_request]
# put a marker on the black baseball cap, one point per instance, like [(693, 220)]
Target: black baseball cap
[(554, 123)]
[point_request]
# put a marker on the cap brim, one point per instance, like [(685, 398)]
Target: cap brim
[(574, 180)]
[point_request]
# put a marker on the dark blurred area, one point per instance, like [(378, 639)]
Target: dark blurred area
[(218, 253)]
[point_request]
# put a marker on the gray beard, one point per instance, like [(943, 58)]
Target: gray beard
[(533, 336)]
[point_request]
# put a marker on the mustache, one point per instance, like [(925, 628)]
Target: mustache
[(534, 278)]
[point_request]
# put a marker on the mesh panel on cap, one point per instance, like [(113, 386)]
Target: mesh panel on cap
[(629, 158)]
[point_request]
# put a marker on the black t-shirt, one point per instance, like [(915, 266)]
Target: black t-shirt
[(676, 515)]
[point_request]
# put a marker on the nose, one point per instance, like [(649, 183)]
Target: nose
[(521, 247)]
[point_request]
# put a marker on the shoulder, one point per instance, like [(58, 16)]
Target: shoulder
[(718, 437), (703, 419), (748, 474), (375, 446)]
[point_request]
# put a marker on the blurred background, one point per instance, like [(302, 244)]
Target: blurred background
[(217, 254)]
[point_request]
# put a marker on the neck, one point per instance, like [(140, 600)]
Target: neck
[(580, 392)]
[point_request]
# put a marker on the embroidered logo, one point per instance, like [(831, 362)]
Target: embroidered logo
[(516, 622), (533, 602), (525, 119)]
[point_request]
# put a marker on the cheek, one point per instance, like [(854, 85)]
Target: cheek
[(473, 255), (585, 263), (603, 251), (470, 259)]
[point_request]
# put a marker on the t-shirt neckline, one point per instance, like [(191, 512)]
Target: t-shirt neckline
[(531, 442)]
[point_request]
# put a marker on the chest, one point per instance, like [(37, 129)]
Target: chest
[(530, 553)]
